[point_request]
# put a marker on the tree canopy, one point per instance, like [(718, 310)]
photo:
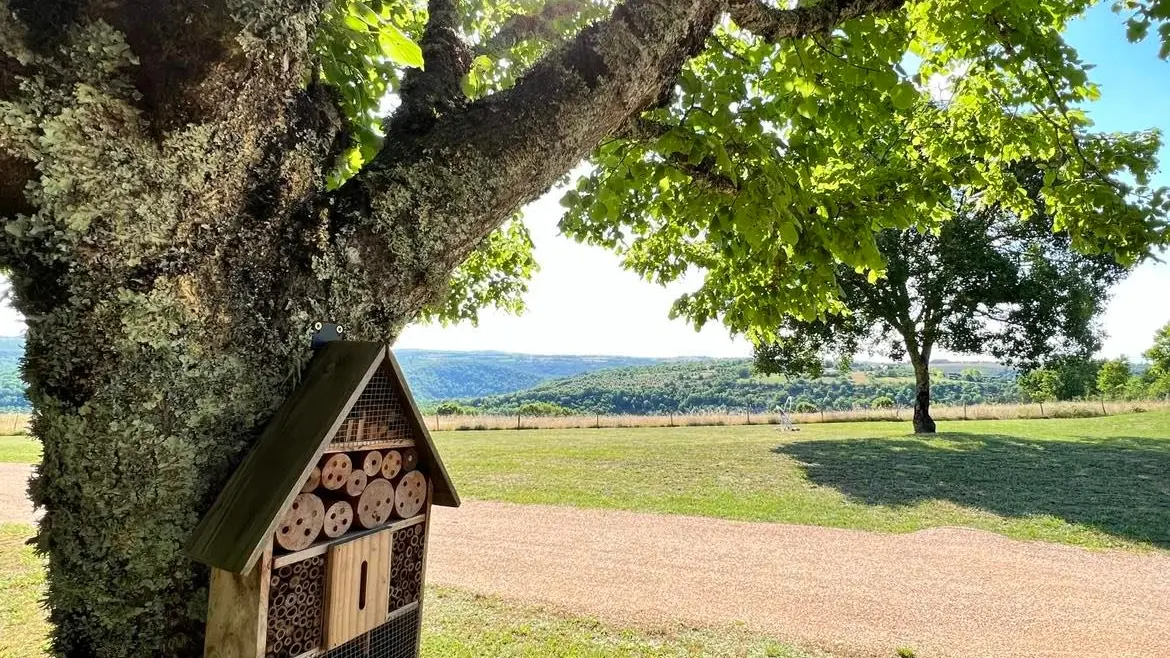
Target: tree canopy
[(989, 282), (186, 186)]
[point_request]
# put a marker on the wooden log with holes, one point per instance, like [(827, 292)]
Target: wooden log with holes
[(372, 463), (355, 484), (391, 464), (410, 495), (338, 519), (313, 481), (409, 459), (301, 524), (335, 470), (375, 505)]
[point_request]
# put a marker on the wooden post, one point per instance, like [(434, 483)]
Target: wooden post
[(237, 611), (517, 420)]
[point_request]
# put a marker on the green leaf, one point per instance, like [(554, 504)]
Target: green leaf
[(807, 108), (368, 15), (398, 48), (904, 96)]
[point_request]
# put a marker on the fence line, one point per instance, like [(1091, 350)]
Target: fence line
[(1086, 409)]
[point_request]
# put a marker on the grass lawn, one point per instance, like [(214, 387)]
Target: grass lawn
[(22, 621), (19, 450), (455, 624), (1095, 482)]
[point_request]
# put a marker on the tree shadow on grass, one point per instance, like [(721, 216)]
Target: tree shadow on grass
[(1120, 486)]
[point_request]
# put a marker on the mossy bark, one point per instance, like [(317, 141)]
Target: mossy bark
[(170, 242)]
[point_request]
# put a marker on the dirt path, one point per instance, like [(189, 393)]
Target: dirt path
[(14, 503), (950, 592), (947, 592)]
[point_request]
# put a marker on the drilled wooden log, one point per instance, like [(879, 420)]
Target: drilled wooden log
[(355, 484), (335, 470), (409, 459), (338, 520), (372, 463), (391, 464), (375, 505), (410, 495), (301, 523), (313, 481)]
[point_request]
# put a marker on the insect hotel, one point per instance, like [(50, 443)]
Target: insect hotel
[(318, 540)]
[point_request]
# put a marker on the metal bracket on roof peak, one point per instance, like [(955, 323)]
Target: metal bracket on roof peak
[(326, 332)]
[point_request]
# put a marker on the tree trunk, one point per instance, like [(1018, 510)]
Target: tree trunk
[(171, 241), (923, 423)]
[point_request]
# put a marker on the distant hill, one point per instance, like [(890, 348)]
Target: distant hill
[(442, 375), (729, 385), (433, 374)]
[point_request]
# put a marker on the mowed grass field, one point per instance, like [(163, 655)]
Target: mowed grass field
[(1095, 482)]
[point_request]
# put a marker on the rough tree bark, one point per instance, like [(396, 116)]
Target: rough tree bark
[(923, 423), (170, 241)]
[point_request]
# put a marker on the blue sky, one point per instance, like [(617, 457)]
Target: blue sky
[(583, 303)]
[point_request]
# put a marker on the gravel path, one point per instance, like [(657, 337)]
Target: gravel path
[(15, 506), (944, 593)]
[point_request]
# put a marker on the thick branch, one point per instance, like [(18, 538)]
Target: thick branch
[(530, 26), (774, 24), (436, 89)]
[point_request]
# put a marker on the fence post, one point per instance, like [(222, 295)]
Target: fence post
[(517, 420)]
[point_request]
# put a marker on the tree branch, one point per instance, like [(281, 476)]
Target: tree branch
[(774, 24), (436, 89), (530, 26)]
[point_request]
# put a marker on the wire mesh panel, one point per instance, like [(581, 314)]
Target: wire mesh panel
[(397, 638), (296, 603), (406, 562), (378, 416)]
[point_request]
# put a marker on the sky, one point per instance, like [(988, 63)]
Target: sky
[(583, 302)]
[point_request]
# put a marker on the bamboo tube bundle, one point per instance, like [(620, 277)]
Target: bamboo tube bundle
[(338, 519), (301, 524), (409, 459), (375, 505), (391, 464), (410, 495), (335, 470), (313, 481), (355, 484), (372, 463)]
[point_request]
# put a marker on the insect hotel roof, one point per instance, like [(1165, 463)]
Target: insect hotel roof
[(233, 533)]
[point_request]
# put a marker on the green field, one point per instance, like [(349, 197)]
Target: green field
[(455, 624), (19, 450), (1096, 482)]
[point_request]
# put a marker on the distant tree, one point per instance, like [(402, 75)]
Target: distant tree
[(1077, 376), (544, 409), (1159, 357), (989, 282), (1113, 377), (454, 409), (882, 402), (1039, 385), (972, 374), (805, 407)]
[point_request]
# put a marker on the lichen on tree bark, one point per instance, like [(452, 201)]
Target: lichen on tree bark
[(170, 240)]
